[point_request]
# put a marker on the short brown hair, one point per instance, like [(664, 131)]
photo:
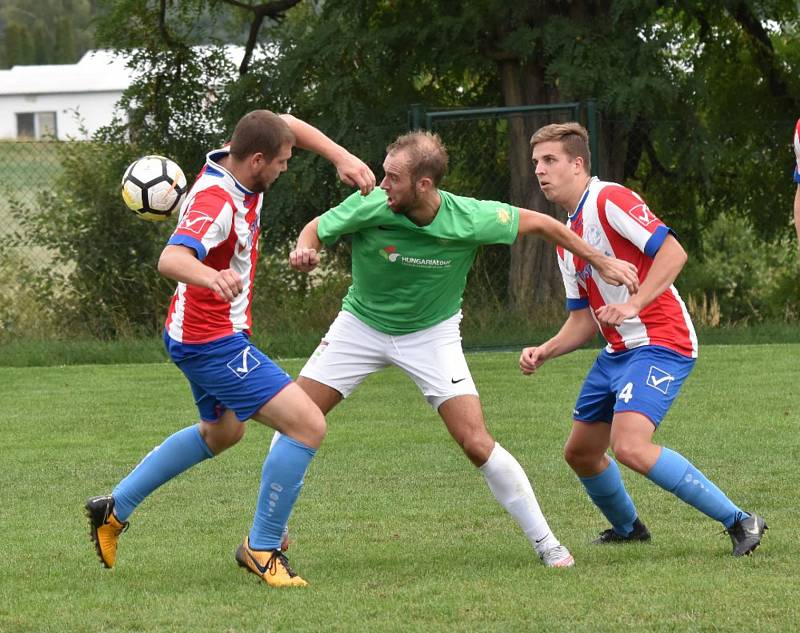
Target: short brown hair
[(426, 152), (260, 131), (573, 136)]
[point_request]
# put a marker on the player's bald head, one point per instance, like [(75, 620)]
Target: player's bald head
[(425, 154)]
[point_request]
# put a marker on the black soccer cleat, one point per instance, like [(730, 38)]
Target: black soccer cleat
[(746, 534), (639, 533), (104, 528)]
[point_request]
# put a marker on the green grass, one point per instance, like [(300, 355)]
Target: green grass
[(395, 530), (300, 342)]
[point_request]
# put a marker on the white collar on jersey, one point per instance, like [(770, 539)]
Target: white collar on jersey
[(583, 197)]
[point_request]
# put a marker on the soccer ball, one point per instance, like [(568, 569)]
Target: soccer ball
[(153, 187)]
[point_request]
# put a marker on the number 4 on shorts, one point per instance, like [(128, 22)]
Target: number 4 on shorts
[(627, 393)]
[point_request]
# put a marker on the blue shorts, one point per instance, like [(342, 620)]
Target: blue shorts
[(229, 373), (645, 380)]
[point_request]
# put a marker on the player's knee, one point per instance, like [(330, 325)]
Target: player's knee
[(477, 447), (574, 457), (317, 427), (221, 437), (627, 452)]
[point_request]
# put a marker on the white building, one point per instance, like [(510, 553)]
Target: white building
[(55, 101)]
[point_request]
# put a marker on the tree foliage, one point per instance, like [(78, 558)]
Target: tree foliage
[(697, 101)]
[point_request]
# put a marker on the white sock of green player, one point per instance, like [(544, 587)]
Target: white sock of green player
[(510, 486)]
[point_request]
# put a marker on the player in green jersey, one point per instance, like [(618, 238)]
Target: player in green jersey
[(412, 247)]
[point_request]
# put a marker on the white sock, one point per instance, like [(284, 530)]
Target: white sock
[(510, 486)]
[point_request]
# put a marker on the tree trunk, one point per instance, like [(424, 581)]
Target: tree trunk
[(534, 278)]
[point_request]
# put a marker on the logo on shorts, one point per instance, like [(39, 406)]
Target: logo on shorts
[(659, 379), (243, 363)]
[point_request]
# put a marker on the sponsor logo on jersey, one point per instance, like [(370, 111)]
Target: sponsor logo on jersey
[(195, 222), (503, 216), (642, 214), (390, 254)]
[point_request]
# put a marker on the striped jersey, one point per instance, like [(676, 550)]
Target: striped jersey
[(220, 221), (617, 222), (797, 152)]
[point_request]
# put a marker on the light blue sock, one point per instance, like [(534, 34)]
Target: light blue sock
[(281, 480), (179, 452), (608, 493), (673, 472)]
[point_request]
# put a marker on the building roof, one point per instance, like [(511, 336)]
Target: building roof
[(97, 71)]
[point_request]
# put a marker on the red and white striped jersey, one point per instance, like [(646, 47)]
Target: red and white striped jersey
[(797, 152), (220, 220), (617, 222)]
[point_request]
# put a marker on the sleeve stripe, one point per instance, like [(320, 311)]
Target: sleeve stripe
[(190, 242), (656, 240), (577, 304)]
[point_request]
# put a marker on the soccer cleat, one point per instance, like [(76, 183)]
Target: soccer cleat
[(270, 565), (557, 556), (104, 528), (746, 534), (639, 533)]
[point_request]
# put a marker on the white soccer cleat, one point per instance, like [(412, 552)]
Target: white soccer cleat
[(557, 556)]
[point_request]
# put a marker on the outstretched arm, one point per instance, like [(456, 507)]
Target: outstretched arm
[(667, 263), (577, 329), (797, 214), (351, 169), (305, 256), (181, 264), (613, 271)]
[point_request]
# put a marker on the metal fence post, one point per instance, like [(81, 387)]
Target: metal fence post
[(591, 127), (416, 115)]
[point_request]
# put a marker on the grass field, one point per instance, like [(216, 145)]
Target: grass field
[(395, 530)]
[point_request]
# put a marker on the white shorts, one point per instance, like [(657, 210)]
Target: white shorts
[(432, 358)]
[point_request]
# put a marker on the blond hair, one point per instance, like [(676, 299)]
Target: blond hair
[(573, 138)]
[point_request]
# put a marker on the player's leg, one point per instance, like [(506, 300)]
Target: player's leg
[(302, 428), (504, 475), (585, 452), (650, 386), (219, 429), (434, 360)]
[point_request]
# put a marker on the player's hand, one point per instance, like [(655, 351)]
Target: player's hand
[(531, 359), (227, 284), (354, 172), (614, 314), (304, 259), (618, 272)]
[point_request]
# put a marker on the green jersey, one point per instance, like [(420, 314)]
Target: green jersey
[(408, 277)]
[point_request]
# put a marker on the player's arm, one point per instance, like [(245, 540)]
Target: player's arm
[(667, 263), (305, 256), (797, 214), (577, 330), (181, 264), (351, 169), (614, 271)]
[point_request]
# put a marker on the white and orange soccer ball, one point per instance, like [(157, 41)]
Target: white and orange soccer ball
[(153, 187)]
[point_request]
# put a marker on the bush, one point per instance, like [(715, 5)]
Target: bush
[(737, 278)]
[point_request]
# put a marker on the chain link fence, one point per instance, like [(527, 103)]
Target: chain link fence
[(27, 169), (512, 289)]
